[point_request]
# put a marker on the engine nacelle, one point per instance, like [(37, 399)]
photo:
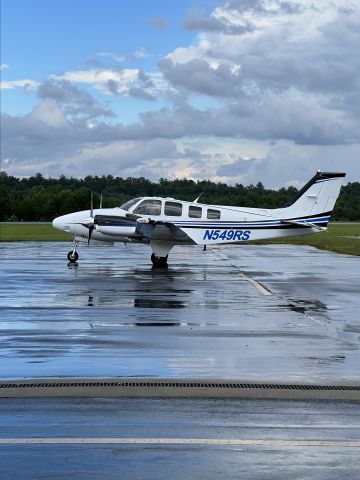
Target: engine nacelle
[(115, 230)]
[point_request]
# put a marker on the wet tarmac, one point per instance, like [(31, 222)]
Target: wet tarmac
[(113, 315), (178, 439), (281, 313)]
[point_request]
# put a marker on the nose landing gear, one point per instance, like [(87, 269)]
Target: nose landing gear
[(73, 256)]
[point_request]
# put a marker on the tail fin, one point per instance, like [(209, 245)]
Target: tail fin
[(318, 196)]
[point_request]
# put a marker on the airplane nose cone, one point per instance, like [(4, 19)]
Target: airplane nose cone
[(57, 223), (62, 223)]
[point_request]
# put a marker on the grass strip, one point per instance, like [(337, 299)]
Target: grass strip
[(339, 238), (32, 232)]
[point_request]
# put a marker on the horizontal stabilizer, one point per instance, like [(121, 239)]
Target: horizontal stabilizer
[(304, 224)]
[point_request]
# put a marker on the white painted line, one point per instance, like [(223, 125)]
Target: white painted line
[(179, 441), (262, 289), (256, 284)]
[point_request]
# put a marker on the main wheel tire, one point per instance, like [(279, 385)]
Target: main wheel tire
[(159, 262), (72, 256)]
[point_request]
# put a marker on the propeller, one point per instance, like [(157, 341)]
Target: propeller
[(99, 220), (91, 225)]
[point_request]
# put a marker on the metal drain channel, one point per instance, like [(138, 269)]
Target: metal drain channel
[(144, 387)]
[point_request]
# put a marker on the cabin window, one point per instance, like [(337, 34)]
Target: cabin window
[(173, 209), (213, 214), (195, 212), (148, 207), (129, 204)]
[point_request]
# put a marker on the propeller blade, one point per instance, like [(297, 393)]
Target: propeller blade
[(100, 202), (91, 229)]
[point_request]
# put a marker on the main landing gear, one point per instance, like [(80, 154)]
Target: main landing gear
[(159, 262), (160, 251)]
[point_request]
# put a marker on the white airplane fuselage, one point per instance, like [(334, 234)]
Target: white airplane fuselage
[(165, 222)]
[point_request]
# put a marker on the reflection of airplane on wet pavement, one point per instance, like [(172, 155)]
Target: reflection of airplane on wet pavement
[(165, 222)]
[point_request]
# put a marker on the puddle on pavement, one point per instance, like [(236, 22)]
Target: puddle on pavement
[(326, 361), (304, 306)]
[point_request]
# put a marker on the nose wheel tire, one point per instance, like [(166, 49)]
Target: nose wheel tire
[(72, 256), (159, 262)]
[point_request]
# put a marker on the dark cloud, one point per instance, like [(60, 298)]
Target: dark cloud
[(145, 79), (31, 139), (137, 91), (31, 145), (284, 164), (140, 93), (328, 64), (240, 167), (265, 7), (74, 100), (299, 86), (198, 76), (144, 83), (117, 158), (113, 86)]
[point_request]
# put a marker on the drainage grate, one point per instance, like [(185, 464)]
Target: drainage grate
[(181, 384)]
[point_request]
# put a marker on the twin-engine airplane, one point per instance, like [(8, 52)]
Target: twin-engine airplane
[(165, 222)]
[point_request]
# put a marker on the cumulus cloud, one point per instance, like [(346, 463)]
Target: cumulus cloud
[(75, 100), (197, 20), (198, 76), (11, 84), (295, 76), (116, 81), (142, 52), (288, 164), (99, 78), (278, 76), (236, 169), (49, 112), (112, 56), (265, 7)]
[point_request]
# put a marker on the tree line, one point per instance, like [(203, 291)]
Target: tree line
[(38, 198)]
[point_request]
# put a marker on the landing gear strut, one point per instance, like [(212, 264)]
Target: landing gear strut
[(159, 262), (73, 256)]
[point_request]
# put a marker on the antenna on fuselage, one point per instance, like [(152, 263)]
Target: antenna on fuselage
[(197, 199), (91, 225), (92, 205)]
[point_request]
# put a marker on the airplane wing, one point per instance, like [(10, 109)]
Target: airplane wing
[(163, 231), (136, 226)]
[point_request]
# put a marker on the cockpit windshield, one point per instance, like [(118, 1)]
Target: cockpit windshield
[(130, 203)]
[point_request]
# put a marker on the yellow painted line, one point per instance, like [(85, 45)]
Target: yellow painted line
[(256, 284), (179, 441)]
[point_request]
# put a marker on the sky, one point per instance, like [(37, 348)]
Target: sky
[(234, 91)]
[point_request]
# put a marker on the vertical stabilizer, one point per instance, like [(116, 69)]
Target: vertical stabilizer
[(318, 196)]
